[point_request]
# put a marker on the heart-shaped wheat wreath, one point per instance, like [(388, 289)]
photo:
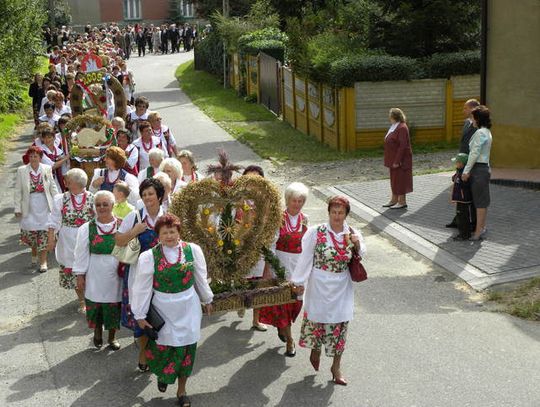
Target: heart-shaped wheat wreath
[(232, 223)]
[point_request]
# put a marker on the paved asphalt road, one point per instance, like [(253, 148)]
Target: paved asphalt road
[(419, 338)]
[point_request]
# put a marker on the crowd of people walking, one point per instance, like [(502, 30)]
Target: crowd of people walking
[(85, 220)]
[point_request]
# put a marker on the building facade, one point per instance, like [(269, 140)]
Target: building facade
[(512, 82), (126, 11)]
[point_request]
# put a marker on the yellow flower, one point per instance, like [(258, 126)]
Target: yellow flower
[(236, 242), (220, 242), (247, 207), (206, 211), (247, 225), (210, 229)]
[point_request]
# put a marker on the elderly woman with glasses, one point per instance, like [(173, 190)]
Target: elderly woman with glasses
[(323, 266), (138, 115), (70, 211), (97, 271)]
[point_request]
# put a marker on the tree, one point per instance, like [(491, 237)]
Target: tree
[(206, 8), (420, 28), (59, 12)]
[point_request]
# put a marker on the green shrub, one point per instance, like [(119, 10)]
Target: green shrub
[(372, 68), (11, 92), (454, 63), (268, 40), (208, 54)]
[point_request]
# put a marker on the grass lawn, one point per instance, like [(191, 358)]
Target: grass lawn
[(523, 301), (254, 125), (8, 122)]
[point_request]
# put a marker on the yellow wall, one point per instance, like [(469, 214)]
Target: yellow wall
[(513, 82)]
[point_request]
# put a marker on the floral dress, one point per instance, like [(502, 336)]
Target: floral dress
[(288, 248), (69, 213), (329, 298), (33, 226), (102, 282)]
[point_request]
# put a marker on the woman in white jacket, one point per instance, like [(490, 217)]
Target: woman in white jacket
[(33, 201)]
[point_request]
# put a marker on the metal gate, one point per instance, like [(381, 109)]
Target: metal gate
[(269, 82)]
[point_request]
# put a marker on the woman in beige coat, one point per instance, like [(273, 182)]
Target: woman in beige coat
[(33, 200)]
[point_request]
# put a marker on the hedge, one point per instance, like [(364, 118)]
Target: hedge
[(208, 54), (349, 69), (268, 40), (454, 63)]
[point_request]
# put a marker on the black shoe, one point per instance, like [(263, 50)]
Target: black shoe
[(184, 401), (451, 225), (290, 353), (143, 367), (98, 342), (460, 238), (162, 387)]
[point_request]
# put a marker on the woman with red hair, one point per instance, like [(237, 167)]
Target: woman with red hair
[(323, 267), (33, 200), (172, 277)]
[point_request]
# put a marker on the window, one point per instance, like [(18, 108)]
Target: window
[(186, 8), (132, 9)]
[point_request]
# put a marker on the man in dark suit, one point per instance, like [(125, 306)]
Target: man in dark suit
[(466, 134), (174, 37), (188, 37), (164, 40), (127, 44)]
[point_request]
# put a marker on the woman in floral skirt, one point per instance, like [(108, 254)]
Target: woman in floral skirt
[(329, 302), (33, 200), (287, 249), (71, 210), (97, 271), (139, 224), (172, 276)]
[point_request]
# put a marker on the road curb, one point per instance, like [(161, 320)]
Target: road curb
[(473, 276)]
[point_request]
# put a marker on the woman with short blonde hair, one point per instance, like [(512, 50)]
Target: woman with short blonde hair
[(173, 168)]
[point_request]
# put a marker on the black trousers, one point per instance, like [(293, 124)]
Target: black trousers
[(141, 48), (465, 219)]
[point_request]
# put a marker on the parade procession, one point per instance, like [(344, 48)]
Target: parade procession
[(151, 243), (269, 203)]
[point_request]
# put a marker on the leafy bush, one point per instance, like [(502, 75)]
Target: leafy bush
[(454, 63), (208, 54), (371, 68), (11, 91), (268, 40)]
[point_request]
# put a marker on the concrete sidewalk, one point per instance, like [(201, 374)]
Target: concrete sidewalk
[(508, 253)]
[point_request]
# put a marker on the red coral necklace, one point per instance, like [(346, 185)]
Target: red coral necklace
[(288, 223), (167, 262), (107, 232), (340, 246), (77, 206)]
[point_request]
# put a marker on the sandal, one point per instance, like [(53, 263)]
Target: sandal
[(184, 400)]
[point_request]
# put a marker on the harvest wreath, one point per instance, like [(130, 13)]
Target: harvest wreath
[(234, 221)]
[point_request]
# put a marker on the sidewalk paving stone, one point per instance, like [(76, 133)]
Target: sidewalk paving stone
[(513, 223)]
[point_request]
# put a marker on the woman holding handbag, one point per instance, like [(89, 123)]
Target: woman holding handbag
[(323, 268), (140, 225), (172, 277), (96, 271)]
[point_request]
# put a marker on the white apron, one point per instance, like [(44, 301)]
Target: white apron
[(329, 297), (182, 314)]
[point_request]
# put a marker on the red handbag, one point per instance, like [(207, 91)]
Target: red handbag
[(356, 268)]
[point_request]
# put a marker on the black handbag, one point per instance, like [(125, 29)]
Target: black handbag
[(154, 319)]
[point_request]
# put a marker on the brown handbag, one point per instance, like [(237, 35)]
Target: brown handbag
[(356, 268)]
